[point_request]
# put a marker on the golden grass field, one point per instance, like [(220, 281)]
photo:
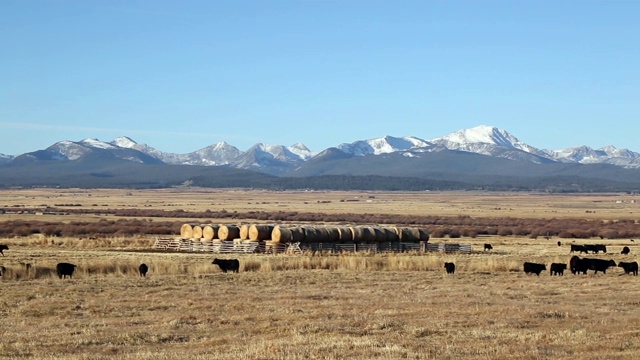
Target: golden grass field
[(310, 306)]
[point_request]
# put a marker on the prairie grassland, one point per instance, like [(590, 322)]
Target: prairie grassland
[(314, 306), (363, 306), (474, 204)]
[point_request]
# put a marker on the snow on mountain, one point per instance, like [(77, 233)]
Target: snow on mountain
[(383, 145), (68, 150), (95, 143), (279, 159), (606, 155), (489, 140)]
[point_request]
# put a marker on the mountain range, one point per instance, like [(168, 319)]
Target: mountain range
[(477, 156)]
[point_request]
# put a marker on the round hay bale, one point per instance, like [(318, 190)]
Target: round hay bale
[(409, 234), (244, 232), (380, 234), (424, 234), (391, 233), (260, 232), (323, 234), (186, 231), (287, 234), (315, 234), (197, 232), (345, 234), (228, 232), (333, 233), (364, 234), (209, 232)]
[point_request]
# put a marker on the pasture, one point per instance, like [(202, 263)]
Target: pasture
[(311, 306)]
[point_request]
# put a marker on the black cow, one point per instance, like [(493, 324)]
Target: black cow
[(557, 269), (143, 268), (227, 265), (625, 250), (578, 248), (2, 248), (629, 267), (450, 267), (534, 268), (559, 243), (578, 265), (599, 264), (488, 247), (600, 247), (65, 269)]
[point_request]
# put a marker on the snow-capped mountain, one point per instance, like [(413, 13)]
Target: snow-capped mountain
[(383, 145), (279, 160)]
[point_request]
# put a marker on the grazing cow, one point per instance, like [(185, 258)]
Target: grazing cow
[(600, 247), (450, 267), (625, 250), (578, 265), (488, 247), (534, 268), (599, 264), (578, 248), (227, 265), (629, 267), (2, 248), (65, 269), (559, 243), (143, 268), (557, 269)]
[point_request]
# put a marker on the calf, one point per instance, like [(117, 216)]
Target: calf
[(143, 268), (65, 269), (629, 267), (488, 247), (534, 268), (227, 265), (557, 269), (625, 250), (450, 267), (2, 248)]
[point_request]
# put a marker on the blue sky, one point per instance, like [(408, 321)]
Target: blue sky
[(182, 75)]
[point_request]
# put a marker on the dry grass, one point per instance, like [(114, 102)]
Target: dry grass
[(387, 306), (311, 306)]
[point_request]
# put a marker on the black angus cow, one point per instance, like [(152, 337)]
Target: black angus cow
[(629, 267), (2, 248), (599, 264), (625, 250), (578, 248), (534, 268), (450, 267), (488, 247), (578, 265), (557, 269), (143, 268), (65, 269), (227, 265), (559, 243)]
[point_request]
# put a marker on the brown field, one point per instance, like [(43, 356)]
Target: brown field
[(310, 306)]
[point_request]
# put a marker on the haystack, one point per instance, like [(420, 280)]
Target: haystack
[(228, 232), (281, 233), (260, 232)]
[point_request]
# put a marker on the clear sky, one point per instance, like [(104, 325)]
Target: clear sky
[(182, 75)]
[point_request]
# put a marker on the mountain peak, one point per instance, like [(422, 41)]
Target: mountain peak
[(482, 134), (124, 141)]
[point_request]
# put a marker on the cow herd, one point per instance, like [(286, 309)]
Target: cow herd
[(65, 270), (576, 264)]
